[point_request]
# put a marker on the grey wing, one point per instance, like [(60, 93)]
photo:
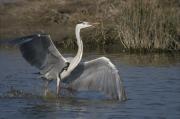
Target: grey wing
[(39, 51), (99, 75)]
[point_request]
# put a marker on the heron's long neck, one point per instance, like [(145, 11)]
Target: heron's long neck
[(75, 61), (79, 43)]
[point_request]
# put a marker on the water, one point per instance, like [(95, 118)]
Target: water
[(8, 1), (152, 83)]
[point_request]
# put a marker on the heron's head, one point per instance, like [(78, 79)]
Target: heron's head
[(84, 24)]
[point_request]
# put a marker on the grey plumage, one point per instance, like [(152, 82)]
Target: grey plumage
[(97, 75), (39, 51)]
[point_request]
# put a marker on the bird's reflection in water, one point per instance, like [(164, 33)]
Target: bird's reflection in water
[(66, 107)]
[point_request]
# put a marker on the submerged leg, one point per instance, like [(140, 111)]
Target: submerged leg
[(46, 87)]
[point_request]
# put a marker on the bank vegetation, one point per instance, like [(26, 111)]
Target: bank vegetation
[(127, 25)]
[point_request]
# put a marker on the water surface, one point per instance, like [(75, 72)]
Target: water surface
[(152, 83)]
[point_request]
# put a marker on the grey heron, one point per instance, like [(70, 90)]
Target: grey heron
[(98, 75)]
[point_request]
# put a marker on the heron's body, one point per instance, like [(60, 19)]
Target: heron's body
[(97, 75)]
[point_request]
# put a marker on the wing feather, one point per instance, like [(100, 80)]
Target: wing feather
[(98, 75), (39, 51)]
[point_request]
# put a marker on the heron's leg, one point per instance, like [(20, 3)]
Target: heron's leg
[(58, 87), (46, 87)]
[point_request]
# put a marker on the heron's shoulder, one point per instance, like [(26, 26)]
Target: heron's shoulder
[(108, 62), (101, 61)]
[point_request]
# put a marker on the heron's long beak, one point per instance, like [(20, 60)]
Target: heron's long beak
[(95, 24)]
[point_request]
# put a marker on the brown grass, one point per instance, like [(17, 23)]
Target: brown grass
[(144, 25)]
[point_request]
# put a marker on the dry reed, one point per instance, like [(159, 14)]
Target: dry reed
[(144, 25)]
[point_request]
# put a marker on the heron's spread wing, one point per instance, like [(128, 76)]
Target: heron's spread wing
[(40, 52), (99, 75)]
